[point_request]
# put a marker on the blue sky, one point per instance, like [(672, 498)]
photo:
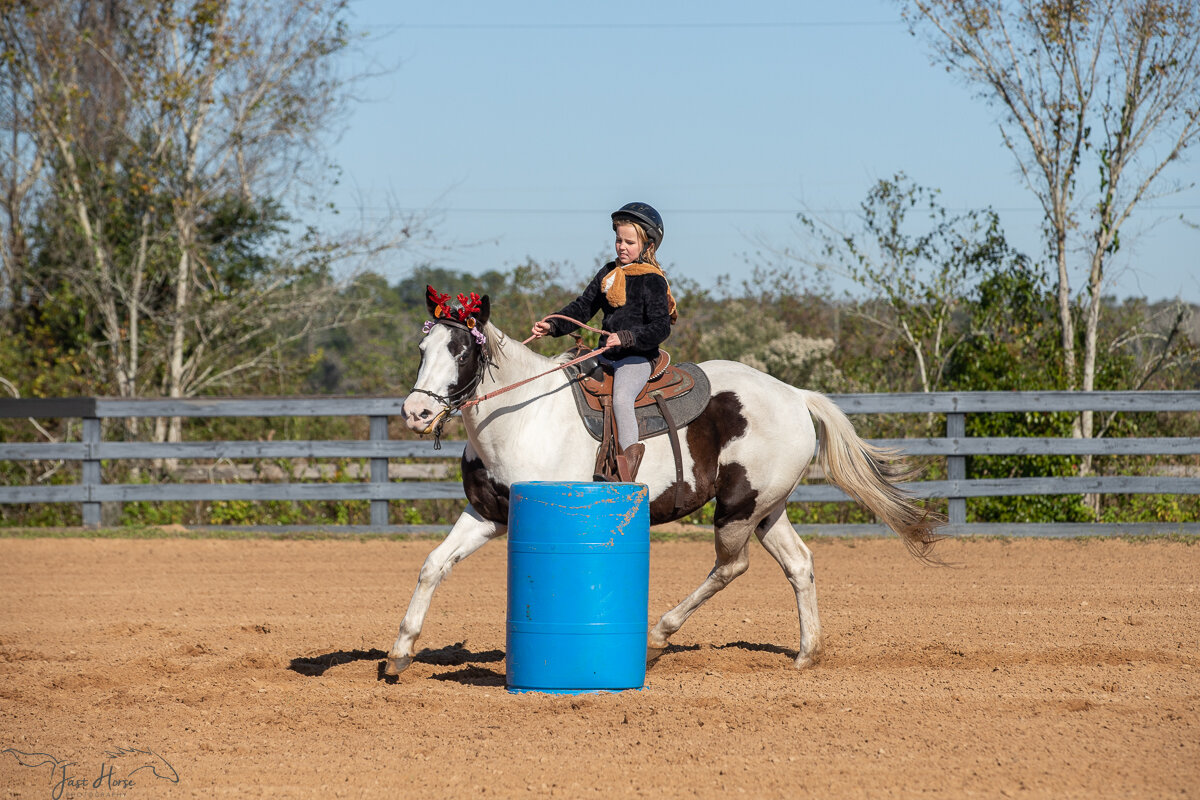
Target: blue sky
[(524, 124)]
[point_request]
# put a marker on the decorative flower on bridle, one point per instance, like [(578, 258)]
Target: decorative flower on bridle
[(469, 305)]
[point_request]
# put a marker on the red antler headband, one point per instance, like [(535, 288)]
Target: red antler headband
[(439, 299), (472, 304)]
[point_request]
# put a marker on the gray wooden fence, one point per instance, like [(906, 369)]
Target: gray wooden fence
[(955, 446)]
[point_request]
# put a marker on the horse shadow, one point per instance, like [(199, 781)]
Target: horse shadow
[(652, 658), (454, 655), (316, 666), (756, 647), (759, 648), (465, 663)]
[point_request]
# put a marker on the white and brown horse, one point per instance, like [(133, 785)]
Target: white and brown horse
[(748, 450)]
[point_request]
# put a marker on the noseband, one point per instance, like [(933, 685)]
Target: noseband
[(458, 399)]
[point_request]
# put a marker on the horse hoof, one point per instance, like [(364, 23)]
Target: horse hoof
[(654, 650), (804, 662), (396, 665)]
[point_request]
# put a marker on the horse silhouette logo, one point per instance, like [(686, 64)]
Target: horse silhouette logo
[(117, 770), (144, 759)]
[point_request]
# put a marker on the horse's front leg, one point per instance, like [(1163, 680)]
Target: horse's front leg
[(469, 534)]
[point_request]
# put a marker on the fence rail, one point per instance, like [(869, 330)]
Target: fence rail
[(378, 449)]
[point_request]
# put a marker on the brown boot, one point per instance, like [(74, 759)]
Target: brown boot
[(629, 461)]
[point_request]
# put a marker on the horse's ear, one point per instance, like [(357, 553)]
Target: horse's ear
[(433, 301), (485, 309)]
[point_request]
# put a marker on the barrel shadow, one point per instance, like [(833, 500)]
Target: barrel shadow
[(472, 675), (455, 655)]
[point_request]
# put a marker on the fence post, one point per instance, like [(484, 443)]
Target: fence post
[(379, 471), (956, 466), (91, 470)]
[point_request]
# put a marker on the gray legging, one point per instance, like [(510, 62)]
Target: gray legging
[(629, 376)]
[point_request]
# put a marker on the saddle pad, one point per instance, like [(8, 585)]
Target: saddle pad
[(684, 408)]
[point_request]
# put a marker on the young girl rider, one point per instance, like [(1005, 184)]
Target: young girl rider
[(638, 313)]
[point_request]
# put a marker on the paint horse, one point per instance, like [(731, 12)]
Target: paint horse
[(748, 449)]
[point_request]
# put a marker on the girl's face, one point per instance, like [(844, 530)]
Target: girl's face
[(629, 247)]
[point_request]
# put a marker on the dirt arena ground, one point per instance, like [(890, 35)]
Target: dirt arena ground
[(252, 668)]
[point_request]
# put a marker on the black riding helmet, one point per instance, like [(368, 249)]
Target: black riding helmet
[(644, 214)]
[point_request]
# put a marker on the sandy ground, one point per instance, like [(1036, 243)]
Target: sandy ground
[(252, 669)]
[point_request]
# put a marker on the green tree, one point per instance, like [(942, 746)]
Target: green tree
[(1021, 353), (1108, 88), (917, 263)]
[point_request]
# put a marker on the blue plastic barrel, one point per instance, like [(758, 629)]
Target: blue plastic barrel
[(578, 586)]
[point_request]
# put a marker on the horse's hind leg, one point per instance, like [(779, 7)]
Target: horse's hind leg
[(732, 560), (779, 539), (469, 533)]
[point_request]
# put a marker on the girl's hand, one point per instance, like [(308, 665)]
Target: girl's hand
[(541, 328), (613, 340)]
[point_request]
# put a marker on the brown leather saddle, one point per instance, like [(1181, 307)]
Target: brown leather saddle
[(673, 397), (666, 380)]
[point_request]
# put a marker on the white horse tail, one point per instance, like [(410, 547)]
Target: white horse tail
[(869, 474)]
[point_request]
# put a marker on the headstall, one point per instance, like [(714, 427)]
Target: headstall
[(456, 318)]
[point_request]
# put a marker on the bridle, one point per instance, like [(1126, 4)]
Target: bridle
[(456, 400)]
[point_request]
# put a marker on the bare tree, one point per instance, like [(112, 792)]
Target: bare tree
[(20, 169), (1106, 88), (173, 131)]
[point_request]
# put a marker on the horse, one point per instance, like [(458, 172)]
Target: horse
[(748, 449)]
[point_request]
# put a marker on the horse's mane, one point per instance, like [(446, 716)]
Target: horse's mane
[(498, 342)]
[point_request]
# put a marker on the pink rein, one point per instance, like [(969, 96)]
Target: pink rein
[(570, 363)]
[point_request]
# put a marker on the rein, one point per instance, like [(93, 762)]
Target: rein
[(455, 402), (571, 363)]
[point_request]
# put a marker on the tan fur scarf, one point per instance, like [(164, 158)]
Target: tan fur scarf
[(614, 284)]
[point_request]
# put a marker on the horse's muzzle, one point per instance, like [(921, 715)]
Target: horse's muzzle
[(421, 415)]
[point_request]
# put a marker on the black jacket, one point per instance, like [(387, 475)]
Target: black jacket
[(644, 321)]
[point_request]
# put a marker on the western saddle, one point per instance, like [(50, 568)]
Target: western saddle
[(672, 397)]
